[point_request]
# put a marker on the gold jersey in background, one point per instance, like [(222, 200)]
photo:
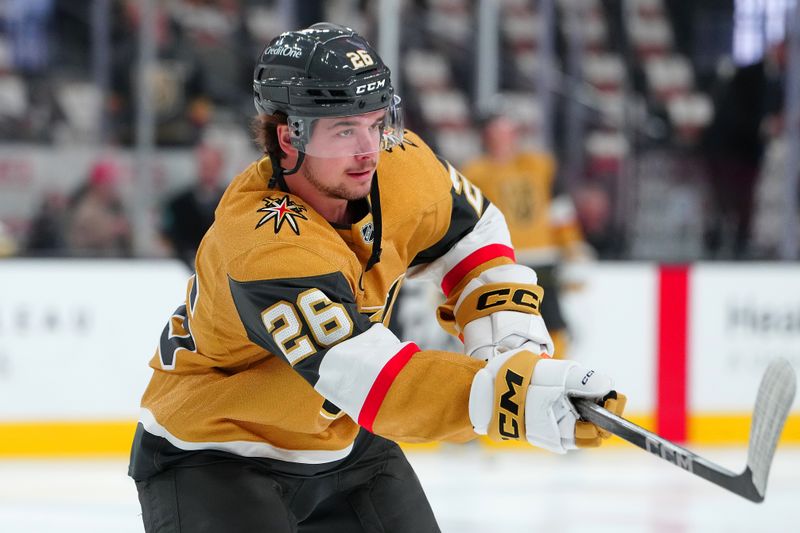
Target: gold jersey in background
[(542, 221), (540, 218)]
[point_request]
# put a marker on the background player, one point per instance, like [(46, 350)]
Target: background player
[(540, 214)]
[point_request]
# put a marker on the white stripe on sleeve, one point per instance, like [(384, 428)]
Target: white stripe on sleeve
[(490, 229), (349, 369)]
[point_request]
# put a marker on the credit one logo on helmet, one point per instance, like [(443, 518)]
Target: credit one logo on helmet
[(284, 51), (374, 86)]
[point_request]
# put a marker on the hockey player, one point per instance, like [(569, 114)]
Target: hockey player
[(540, 215), (278, 391)]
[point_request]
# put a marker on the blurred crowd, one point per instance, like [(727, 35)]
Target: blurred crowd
[(674, 172), (93, 222)]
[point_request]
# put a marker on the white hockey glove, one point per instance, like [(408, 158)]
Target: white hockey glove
[(499, 311), (521, 395)]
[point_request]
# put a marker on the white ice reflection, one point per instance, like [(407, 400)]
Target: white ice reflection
[(620, 490)]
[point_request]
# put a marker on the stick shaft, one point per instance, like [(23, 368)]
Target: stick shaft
[(740, 484)]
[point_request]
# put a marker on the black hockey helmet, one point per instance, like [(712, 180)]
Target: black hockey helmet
[(326, 70)]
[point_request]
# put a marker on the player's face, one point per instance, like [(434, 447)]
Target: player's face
[(344, 155), (337, 137), (501, 136)]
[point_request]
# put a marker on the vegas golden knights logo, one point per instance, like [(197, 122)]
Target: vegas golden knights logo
[(508, 420), (518, 200), (383, 313), (281, 210)]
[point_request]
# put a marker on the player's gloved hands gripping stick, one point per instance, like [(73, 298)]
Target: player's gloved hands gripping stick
[(520, 394)]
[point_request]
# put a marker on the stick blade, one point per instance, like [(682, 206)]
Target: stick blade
[(774, 400)]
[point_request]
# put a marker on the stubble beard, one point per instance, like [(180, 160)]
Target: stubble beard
[(340, 191)]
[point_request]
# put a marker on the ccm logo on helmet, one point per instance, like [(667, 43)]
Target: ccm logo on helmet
[(375, 85), (522, 297)]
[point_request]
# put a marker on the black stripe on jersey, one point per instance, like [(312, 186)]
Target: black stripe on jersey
[(171, 341), (330, 407), (252, 298), (462, 221)]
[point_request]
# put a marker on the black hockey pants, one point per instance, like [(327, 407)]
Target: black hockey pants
[(377, 493)]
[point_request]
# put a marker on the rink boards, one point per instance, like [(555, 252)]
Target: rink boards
[(687, 344)]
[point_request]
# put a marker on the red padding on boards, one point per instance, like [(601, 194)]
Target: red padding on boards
[(673, 320)]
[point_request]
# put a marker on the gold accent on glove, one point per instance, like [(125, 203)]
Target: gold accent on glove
[(510, 392), (493, 297), (588, 435)]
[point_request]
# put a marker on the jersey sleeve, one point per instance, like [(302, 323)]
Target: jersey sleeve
[(476, 239), (387, 386)]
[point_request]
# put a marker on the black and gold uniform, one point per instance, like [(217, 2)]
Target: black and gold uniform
[(277, 390), (280, 352), (280, 349)]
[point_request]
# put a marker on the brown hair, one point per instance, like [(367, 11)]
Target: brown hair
[(265, 133)]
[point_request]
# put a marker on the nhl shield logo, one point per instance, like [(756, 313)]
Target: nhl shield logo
[(368, 232)]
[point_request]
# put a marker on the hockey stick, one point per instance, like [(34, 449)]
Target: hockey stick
[(775, 397)]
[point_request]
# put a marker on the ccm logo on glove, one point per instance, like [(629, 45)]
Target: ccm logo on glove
[(494, 297), (509, 409), (523, 297), (511, 390), (520, 395)]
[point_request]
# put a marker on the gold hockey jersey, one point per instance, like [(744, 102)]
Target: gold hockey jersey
[(540, 217), (281, 350)]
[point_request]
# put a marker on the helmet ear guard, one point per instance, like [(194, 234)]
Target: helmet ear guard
[(298, 133)]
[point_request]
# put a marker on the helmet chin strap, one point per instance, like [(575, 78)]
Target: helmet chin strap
[(377, 219), (278, 172), (300, 158)]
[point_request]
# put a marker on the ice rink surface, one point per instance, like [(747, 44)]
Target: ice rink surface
[(472, 489)]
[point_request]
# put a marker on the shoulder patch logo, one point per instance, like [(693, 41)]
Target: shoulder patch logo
[(281, 210), (368, 232), (402, 145)]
